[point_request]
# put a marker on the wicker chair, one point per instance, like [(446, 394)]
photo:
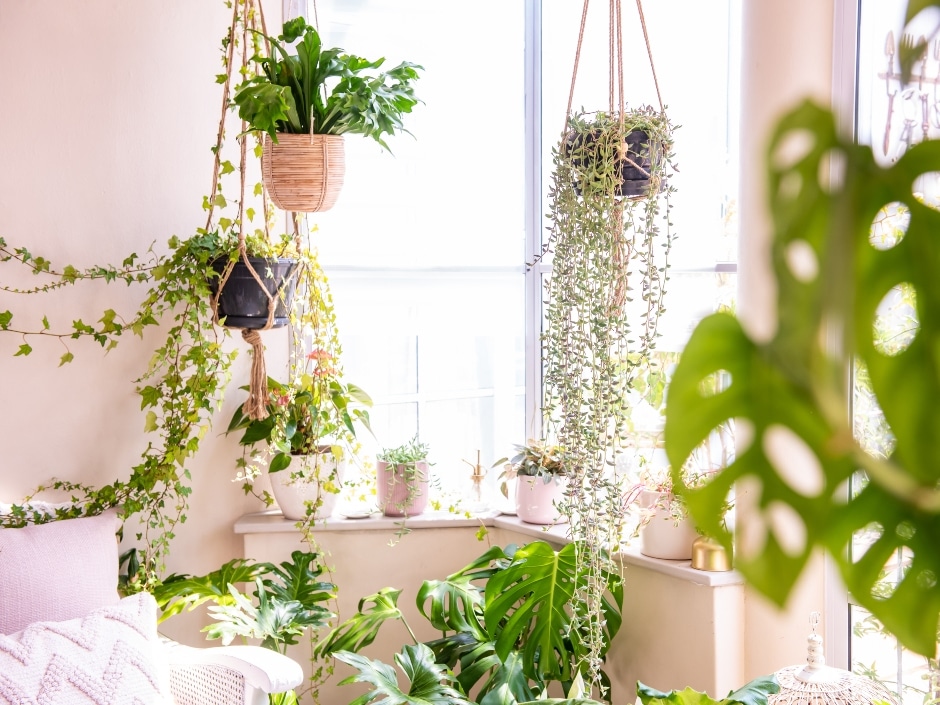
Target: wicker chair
[(60, 614)]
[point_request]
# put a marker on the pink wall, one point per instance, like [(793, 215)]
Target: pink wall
[(107, 110)]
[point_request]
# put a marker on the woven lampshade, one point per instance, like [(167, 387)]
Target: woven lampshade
[(819, 684), (303, 173)]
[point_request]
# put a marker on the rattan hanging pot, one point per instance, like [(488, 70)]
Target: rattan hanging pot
[(303, 173)]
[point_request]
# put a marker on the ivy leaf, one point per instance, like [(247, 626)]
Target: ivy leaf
[(150, 424), (24, 349), (45, 323), (66, 358), (149, 396), (5, 318), (226, 167)]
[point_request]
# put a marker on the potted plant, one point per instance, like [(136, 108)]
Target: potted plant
[(507, 623), (634, 146), (252, 286), (403, 479), (604, 297), (541, 478), (287, 602), (304, 102), (306, 435), (663, 525)]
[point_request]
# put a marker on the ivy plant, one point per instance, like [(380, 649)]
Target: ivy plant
[(832, 279)]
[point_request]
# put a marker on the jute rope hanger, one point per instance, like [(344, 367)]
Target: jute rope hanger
[(615, 58), (620, 246), (255, 407)]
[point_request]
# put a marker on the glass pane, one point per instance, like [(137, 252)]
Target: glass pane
[(453, 193), (439, 354)]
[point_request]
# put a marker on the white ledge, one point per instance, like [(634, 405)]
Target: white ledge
[(273, 522)]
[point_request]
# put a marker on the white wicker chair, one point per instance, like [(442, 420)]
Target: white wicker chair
[(78, 559), (229, 675)]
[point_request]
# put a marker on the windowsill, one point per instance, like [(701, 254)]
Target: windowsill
[(272, 521)]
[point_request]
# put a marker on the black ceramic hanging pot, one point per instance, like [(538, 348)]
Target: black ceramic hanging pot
[(243, 303), (635, 169)]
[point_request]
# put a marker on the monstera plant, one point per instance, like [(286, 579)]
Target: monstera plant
[(506, 623), (792, 390)]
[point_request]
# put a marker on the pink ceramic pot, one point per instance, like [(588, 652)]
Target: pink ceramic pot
[(662, 537), (537, 501), (394, 489)]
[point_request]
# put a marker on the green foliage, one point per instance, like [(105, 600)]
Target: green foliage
[(530, 607), (539, 459), (289, 596), (505, 621), (754, 693), (604, 298), (407, 453), (318, 407), (429, 682), (795, 383), (324, 91), (177, 593)]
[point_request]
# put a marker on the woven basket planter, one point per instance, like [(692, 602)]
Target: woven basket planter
[(303, 173)]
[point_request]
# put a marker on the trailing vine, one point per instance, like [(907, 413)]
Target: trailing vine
[(604, 299), (183, 384)]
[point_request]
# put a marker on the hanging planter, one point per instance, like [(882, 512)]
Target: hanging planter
[(250, 289), (623, 158), (303, 163), (303, 173)]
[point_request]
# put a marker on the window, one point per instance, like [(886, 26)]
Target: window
[(890, 118), (426, 252)]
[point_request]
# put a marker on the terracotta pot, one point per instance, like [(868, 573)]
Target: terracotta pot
[(292, 493), (537, 500), (661, 537), (399, 494)]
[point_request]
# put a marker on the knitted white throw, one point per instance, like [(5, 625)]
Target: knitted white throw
[(110, 657)]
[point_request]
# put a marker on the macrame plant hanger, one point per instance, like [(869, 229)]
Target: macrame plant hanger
[(255, 407), (615, 60), (616, 105)]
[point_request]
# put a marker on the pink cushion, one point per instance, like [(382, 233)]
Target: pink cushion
[(57, 571), (112, 656)]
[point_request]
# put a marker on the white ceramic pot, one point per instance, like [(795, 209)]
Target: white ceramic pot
[(398, 494), (537, 500), (292, 492), (661, 537)]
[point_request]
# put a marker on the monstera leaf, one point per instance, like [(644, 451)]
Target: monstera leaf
[(790, 391), (361, 629), (527, 608), (456, 603), (428, 681)]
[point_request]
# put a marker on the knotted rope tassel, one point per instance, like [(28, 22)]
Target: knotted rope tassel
[(255, 407)]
